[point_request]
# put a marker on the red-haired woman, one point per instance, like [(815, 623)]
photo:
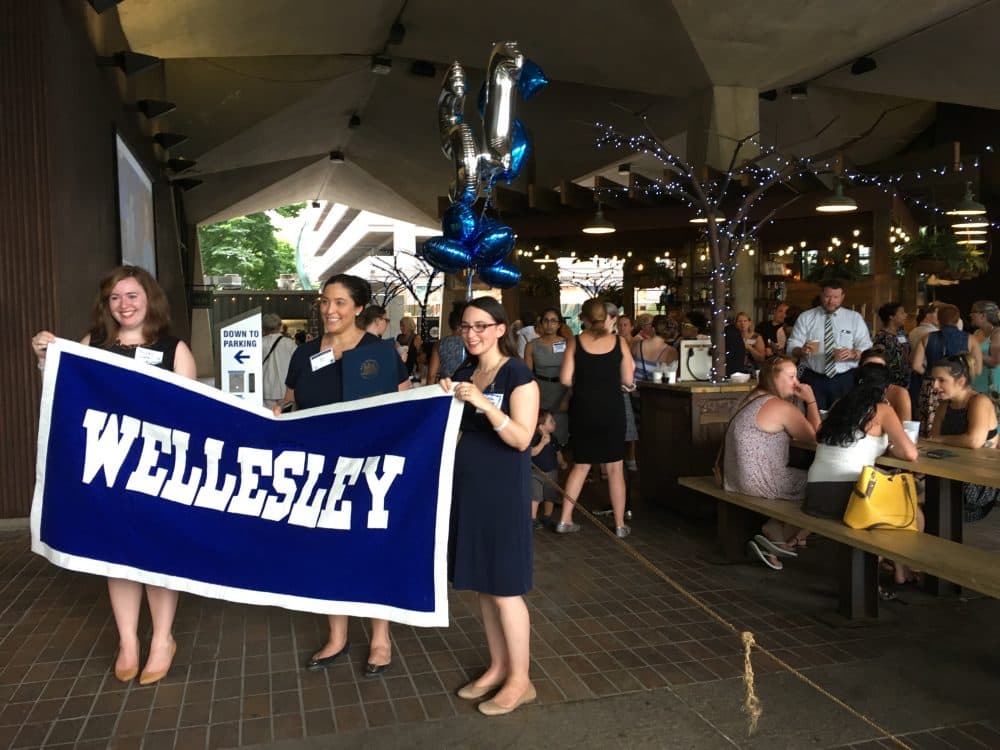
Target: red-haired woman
[(131, 317)]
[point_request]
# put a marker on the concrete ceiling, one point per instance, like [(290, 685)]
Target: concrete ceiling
[(265, 88)]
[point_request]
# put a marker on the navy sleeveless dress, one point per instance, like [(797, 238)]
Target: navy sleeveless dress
[(490, 547)]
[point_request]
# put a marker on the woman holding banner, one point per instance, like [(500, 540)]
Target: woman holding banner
[(315, 378), (490, 544), (131, 317)]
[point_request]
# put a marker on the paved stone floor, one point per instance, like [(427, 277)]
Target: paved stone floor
[(620, 659)]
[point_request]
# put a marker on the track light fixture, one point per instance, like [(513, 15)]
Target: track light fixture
[(769, 96), (355, 122), (397, 32), (337, 157), (153, 108), (186, 183), (625, 168), (799, 92), (863, 65), (129, 62), (102, 5), (179, 164), (315, 204), (381, 65), (169, 140)]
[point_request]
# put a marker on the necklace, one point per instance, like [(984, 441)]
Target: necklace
[(487, 376)]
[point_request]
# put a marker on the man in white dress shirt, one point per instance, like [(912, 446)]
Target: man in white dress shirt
[(829, 339)]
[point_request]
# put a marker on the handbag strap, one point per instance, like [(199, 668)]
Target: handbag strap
[(271, 350)]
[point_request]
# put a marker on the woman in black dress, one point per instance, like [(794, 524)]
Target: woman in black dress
[(315, 378), (490, 545), (597, 366), (131, 317)]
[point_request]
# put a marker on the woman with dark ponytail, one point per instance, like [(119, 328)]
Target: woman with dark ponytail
[(597, 366), (860, 427), (966, 419)]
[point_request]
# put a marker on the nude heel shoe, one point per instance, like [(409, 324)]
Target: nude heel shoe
[(492, 708), (148, 678), (128, 674)]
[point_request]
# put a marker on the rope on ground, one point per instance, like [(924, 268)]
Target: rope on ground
[(751, 704)]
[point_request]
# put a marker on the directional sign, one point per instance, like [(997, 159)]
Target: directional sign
[(239, 357)]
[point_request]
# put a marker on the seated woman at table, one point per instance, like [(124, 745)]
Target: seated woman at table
[(966, 419), (859, 428), (897, 396), (756, 451)]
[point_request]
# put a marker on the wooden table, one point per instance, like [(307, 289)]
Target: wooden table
[(943, 505), (680, 428)]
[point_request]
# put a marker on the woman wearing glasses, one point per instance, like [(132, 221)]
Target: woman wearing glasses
[(490, 545), (544, 357), (316, 378)]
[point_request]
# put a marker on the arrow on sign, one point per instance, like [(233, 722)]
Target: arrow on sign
[(240, 356)]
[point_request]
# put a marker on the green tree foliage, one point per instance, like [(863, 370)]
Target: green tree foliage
[(247, 246)]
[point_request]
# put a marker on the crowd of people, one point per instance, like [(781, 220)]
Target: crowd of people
[(833, 383), (538, 394)]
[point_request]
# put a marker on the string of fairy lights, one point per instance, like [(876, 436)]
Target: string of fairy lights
[(730, 234)]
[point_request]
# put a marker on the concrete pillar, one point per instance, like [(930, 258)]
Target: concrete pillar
[(718, 118)]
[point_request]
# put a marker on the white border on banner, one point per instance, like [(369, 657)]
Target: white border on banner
[(438, 617)]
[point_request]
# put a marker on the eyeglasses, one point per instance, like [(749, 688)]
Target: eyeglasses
[(477, 327), (550, 320)]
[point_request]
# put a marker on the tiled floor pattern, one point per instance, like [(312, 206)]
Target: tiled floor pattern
[(602, 626)]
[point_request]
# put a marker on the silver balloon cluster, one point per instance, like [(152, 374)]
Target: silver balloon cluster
[(469, 241)]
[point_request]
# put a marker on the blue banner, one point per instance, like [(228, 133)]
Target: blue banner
[(145, 475)]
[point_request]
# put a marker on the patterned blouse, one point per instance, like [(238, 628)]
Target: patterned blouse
[(897, 354)]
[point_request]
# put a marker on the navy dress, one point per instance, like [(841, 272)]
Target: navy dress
[(490, 547)]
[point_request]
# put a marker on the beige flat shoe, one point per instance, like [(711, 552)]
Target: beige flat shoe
[(473, 692), (492, 708)]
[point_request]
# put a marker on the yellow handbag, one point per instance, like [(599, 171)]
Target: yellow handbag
[(881, 500)]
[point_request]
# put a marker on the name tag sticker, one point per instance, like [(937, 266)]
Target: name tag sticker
[(321, 359), (559, 347), (901, 338), (494, 398), (148, 356)]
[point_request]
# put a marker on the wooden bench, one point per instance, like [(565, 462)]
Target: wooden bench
[(857, 552)]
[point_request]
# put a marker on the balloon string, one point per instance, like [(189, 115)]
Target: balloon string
[(468, 288)]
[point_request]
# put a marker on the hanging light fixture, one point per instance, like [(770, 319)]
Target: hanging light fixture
[(837, 203), (598, 224), (968, 206), (702, 219)]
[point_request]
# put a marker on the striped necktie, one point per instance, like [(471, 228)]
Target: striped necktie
[(829, 344)]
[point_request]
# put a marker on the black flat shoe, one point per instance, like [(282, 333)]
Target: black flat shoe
[(376, 670), (314, 664)]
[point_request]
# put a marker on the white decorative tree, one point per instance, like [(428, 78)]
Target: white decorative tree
[(726, 235)]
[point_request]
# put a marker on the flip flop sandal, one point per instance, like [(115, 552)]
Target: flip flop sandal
[(774, 548), (757, 552), (886, 595)]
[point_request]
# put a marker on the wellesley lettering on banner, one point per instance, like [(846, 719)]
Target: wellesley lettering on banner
[(292, 486)]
